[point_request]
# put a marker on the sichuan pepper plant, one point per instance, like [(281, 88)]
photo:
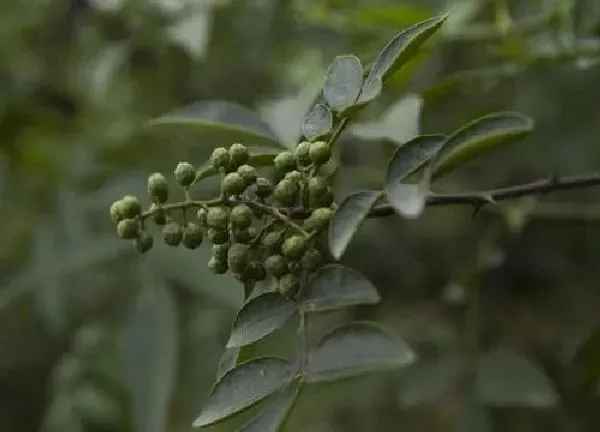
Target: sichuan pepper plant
[(277, 224)]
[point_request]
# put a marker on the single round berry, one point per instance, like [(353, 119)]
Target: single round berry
[(276, 265), (217, 218), (185, 174), (172, 234), (248, 173), (217, 266), (233, 184), (128, 229), (311, 259), (286, 193), (130, 207), (285, 162), (294, 176), (243, 235), (288, 284), (317, 186), (238, 155), (293, 247), (264, 188), (323, 200), (116, 211), (144, 242), (201, 216), (220, 158), (319, 152), (219, 251), (241, 216), (319, 219), (192, 235), (237, 257), (216, 236), (302, 154), (158, 188), (272, 241)]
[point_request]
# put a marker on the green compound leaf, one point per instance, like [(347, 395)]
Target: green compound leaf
[(220, 122), (244, 386), (356, 349), (317, 123), (426, 382), (257, 160), (343, 82), (505, 378), (335, 286), (259, 317), (481, 135), (398, 51), (272, 418), (347, 218), (411, 156)]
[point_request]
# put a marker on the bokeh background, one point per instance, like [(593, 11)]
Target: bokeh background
[(79, 79)]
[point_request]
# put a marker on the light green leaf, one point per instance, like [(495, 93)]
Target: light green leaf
[(408, 199), (259, 317), (317, 123), (412, 156), (481, 135), (257, 160), (424, 383), (371, 89), (151, 347), (343, 82), (355, 349), (220, 122), (347, 218), (472, 416), (335, 286), (244, 386), (505, 378), (272, 418)]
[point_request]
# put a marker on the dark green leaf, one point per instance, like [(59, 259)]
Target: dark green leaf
[(335, 286), (257, 160), (355, 349), (272, 418), (151, 355), (424, 383), (505, 378), (408, 199), (412, 156), (232, 357), (227, 120), (347, 218), (343, 82), (481, 135), (259, 317), (318, 122), (244, 386), (472, 416)]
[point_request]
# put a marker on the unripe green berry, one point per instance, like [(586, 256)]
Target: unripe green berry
[(220, 158), (248, 173), (302, 154), (217, 237), (128, 229), (172, 234), (272, 241), (217, 266), (317, 186), (116, 211), (201, 216), (238, 155), (311, 259), (243, 235), (217, 218), (130, 207), (288, 284), (144, 242), (233, 184), (323, 200), (276, 265), (237, 257), (192, 235), (185, 174), (286, 192), (158, 188), (319, 219), (256, 271), (241, 216), (294, 176), (264, 188), (319, 152), (219, 251), (293, 247), (159, 216), (285, 162)]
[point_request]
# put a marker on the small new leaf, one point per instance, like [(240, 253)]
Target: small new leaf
[(272, 418), (481, 135), (355, 349), (259, 317), (335, 286), (505, 378), (244, 386), (347, 218), (317, 123), (343, 82), (411, 156)]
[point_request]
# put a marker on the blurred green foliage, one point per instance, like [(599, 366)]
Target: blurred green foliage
[(80, 79)]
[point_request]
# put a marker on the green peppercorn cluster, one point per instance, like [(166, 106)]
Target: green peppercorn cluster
[(251, 226)]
